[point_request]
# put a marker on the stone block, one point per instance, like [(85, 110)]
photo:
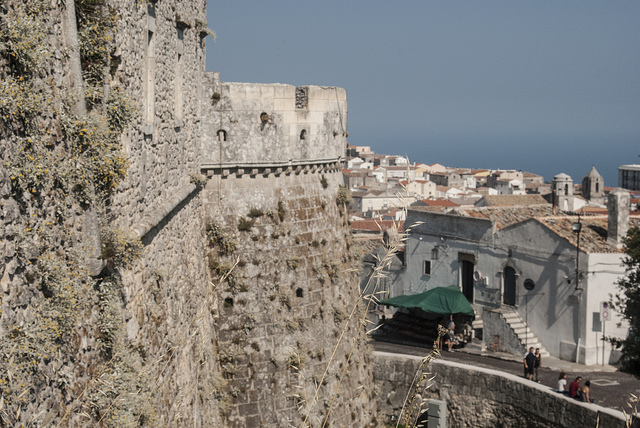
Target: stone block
[(283, 105)]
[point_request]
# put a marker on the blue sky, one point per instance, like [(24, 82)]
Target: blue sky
[(541, 86)]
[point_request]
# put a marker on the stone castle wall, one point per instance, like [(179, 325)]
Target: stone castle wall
[(244, 349), (288, 301), (481, 397), (271, 123), (166, 294)]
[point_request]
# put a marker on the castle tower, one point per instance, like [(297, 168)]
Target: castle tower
[(562, 187), (593, 186)]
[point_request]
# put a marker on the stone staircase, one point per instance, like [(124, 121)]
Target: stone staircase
[(521, 330)]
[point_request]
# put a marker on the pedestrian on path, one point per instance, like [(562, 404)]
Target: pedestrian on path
[(529, 362), (537, 363), (451, 335)]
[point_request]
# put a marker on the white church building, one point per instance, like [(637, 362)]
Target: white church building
[(534, 277)]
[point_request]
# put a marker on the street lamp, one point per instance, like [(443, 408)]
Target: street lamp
[(577, 227)]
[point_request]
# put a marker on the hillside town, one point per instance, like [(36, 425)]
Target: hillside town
[(537, 261), (381, 185), (181, 250)]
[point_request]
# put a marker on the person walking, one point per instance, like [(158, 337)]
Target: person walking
[(529, 362)]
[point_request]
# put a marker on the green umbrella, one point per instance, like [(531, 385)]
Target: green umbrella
[(439, 300)]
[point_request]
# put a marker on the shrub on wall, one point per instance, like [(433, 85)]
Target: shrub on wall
[(119, 248), (344, 196), (245, 225), (226, 245)]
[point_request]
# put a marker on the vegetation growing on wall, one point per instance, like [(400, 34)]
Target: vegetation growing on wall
[(344, 196), (225, 244), (61, 164)]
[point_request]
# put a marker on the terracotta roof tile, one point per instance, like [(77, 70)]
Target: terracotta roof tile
[(506, 216), (376, 225), (439, 203), (514, 200), (593, 235)]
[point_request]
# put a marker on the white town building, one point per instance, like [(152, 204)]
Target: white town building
[(523, 265)]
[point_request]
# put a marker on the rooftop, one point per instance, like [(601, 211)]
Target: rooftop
[(593, 235), (376, 225), (438, 203), (514, 200), (506, 216)]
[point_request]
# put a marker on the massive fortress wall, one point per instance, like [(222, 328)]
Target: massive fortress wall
[(166, 294), (282, 313), (245, 349), (244, 298)]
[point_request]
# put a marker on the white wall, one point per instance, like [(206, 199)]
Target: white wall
[(445, 232), (560, 316), (604, 270), (551, 309)]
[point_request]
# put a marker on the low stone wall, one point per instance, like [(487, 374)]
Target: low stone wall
[(482, 397)]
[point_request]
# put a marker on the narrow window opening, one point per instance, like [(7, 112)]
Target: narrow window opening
[(427, 267), (221, 135), (434, 254), (150, 78), (299, 292), (178, 78), (303, 134)]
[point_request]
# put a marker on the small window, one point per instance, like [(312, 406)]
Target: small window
[(303, 134), (221, 135), (427, 267), (434, 254), (299, 292)]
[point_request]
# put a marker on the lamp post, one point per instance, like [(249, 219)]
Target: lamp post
[(577, 227)]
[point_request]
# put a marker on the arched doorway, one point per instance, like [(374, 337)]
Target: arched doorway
[(509, 286)]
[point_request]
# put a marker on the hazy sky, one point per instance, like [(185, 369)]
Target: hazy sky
[(542, 86)]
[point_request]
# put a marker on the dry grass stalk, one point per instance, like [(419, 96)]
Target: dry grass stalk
[(633, 403), (411, 402)]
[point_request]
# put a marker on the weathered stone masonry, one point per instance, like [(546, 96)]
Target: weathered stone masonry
[(479, 397), (251, 347)]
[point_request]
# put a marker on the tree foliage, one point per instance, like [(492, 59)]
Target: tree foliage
[(627, 302)]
